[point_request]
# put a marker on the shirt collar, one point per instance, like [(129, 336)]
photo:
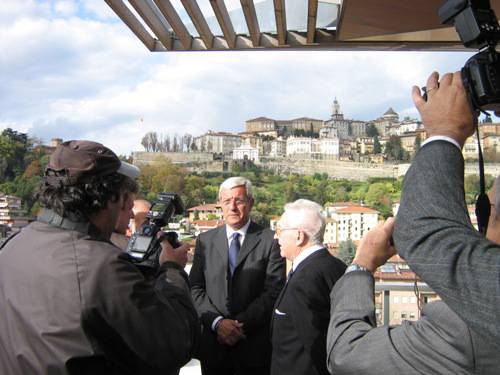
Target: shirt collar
[(242, 231), (304, 254)]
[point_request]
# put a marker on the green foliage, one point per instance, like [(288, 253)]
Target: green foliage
[(377, 148), (471, 186), (371, 131), (347, 251), (394, 150), (13, 151)]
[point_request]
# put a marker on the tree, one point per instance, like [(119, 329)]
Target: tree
[(417, 144), (371, 131), (394, 149), (347, 251), (377, 148), (13, 152), (150, 142)]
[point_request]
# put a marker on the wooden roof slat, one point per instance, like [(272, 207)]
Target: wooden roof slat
[(199, 21), (251, 20), (175, 21), (132, 22), (312, 14), (224, 20), (280, 14), (145, 9)]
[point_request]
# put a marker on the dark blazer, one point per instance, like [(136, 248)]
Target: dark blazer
[(248, 296), (434, 234), (301, 316), (438, 343)]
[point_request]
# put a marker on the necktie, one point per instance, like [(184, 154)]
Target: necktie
[(290, 274), (234, 248)]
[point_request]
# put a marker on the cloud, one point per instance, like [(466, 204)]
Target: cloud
[(72, 70)]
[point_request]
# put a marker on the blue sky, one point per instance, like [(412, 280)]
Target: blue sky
[(72, 69)]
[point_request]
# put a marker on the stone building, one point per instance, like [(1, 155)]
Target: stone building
[(218, 142)]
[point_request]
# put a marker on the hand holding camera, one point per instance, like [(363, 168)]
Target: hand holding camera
[(173, 254)]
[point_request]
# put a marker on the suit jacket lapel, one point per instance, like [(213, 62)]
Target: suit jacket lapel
[(220, 243), (252, 238)]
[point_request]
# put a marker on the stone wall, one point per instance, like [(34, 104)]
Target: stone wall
[(204, 162)]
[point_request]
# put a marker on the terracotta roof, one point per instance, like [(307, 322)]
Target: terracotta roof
[(205, 207), (208, 223), (396, 259), (356, 210), (305, 118), (402, 275), (260, 119)]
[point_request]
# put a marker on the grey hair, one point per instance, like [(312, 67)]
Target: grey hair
[(233, 182), (308, 217)]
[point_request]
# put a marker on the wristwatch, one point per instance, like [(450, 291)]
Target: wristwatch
[(356, 267)]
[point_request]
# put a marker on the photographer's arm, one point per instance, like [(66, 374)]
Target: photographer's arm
[(433, 230), (135, 324)]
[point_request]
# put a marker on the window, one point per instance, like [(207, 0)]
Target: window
[(396, 299), (404, 300), (404, 315)]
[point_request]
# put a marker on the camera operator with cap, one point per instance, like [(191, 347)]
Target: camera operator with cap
[(72, 303)]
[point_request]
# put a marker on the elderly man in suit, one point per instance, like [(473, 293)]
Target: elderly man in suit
[(433, 231), (302, 311), (236, 277)]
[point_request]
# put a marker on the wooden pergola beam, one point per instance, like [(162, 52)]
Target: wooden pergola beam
[(224, 20), (170, 14), (251, 20), (280, 14), (312, 14), (199, 21), (133, 23), (146, 9)]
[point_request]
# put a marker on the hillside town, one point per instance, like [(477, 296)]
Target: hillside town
[(385, 139)]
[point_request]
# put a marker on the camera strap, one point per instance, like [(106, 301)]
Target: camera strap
[(483, 205)]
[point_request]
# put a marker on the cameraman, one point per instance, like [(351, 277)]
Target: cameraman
[(72, 303), (433, 231)]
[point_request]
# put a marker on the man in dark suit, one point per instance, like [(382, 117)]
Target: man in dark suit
[(302, 311), (438, 343), (236, 277), (433, 231)]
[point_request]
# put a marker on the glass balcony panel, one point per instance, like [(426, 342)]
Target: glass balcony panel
[(265, 15), (237, 17), (184, 16), (328, 13), (209, 15)]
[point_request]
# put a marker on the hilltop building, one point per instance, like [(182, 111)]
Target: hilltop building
[(246, 152), (218, 142), (12, 214)]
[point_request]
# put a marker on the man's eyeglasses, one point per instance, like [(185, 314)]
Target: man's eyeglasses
[(236, 201), (279, 229)]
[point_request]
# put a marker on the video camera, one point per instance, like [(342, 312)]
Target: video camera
[(144, 245), (477, 26)]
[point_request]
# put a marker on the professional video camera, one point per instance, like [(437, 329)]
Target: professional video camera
[(144, 245), (477, 26)]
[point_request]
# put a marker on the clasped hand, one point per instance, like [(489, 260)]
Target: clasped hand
[(229, 332)]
